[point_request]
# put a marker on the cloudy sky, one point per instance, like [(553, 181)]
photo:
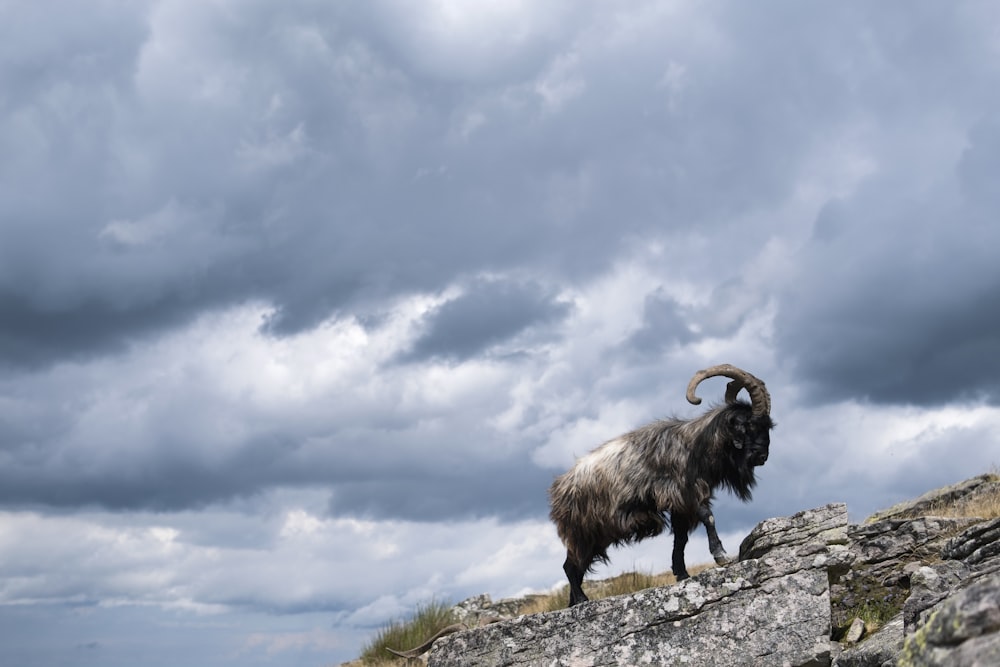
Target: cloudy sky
[(303, 304)]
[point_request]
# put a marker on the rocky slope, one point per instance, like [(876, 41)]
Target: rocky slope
[(904, 588)]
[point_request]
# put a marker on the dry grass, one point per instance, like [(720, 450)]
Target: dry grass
[(985, 504), (981, 502), (629, 582), (988, 506)]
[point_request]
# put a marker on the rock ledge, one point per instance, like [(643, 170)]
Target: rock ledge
[(798, 597)]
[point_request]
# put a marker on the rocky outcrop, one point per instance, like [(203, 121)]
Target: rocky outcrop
[(952, 616), (964, 629), (808, 590), (770, 610), (727, 613)]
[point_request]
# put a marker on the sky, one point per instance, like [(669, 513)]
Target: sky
[(304, 304)]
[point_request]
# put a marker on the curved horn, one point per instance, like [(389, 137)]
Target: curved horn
[(759, 398), (732, 390)]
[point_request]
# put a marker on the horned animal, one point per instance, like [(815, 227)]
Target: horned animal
[(665, 473)]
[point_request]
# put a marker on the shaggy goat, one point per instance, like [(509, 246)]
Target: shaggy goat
[(622, 491)]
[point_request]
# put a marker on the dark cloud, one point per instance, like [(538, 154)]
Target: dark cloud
[(305, 163), (881, 350), (897, 300), (393, 469), (143, 480), (663, 325), (508, 488), (488, 313), (32, 336)]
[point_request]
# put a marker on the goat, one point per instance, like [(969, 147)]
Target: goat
[(622, 491)]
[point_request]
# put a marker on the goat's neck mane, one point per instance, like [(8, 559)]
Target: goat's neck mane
[(740, 480)]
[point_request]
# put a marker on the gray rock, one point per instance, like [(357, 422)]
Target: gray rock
[(855, 632), (976, 544), (770, 611), (904, 540), (470, 610), (970, 556), (929, 584), (882, 557), (962, 630), (481, 609), (822, 526)]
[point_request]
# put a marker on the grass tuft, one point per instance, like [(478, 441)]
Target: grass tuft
[(985, 504), (873, 612), (406, 633)]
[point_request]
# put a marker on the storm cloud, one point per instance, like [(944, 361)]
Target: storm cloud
[(486, 314)]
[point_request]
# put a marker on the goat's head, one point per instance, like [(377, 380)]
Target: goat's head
[(751, 428)]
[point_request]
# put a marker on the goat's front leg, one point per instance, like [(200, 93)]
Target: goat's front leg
[(679, 524), (714, 543)]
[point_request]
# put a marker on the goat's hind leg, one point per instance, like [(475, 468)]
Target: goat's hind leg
[(575, 572), (714, 543)]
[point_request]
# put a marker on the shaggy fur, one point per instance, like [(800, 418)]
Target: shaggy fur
[(663, 474)]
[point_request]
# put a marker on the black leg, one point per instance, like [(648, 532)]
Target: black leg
[(574, 572), (681, 527), (714, 543)]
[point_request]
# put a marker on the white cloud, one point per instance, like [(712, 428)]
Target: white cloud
[(470, 41)]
